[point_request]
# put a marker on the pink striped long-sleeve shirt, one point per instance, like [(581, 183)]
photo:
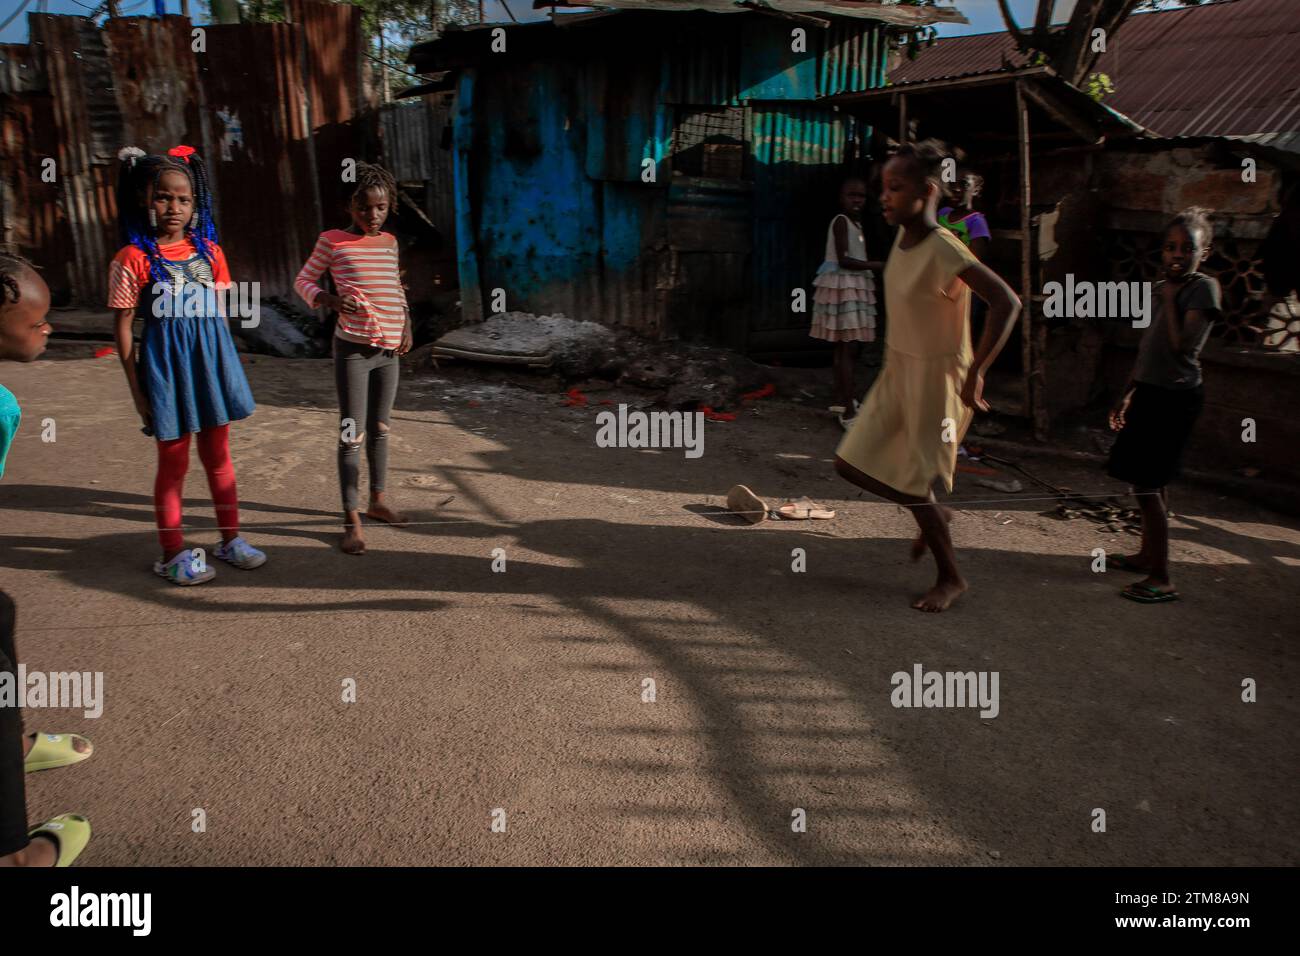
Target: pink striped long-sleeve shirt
[(364, 267)]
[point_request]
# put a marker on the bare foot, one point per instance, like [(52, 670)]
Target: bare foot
[(940, 597), (353, 541), (380, 511), (919, 546), (41, 851), (1162, 585)]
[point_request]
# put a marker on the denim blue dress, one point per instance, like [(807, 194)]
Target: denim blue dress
[(189, 368)]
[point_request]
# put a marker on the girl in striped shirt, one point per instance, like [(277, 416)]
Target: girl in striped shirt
[(372, 330)]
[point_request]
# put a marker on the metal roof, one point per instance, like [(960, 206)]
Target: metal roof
[(891, 13), (1225, 68)]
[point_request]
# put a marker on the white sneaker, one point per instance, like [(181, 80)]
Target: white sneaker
[(185, 569), (241, 554)]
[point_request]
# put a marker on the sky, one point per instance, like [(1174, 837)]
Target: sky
[(983, 14), (16, 32)]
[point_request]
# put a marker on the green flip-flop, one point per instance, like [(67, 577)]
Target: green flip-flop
[(55, 750), (70, 833), (1146, 594)]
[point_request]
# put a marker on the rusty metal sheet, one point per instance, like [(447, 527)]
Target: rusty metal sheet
[(87, 126), (155, 80), (331, 35), (330, 38), (261, 158), (1180, 72), (33, 221), (407, 140), (893, 13), (20, 69)]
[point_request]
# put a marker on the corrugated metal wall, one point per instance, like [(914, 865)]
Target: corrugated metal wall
[(799, 153), (156, 82), (77, 94), (563, 220), (256, 105), (86, 122), (33, 218), (412, 135)]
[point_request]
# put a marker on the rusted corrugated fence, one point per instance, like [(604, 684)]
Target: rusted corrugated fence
[(272, 107)]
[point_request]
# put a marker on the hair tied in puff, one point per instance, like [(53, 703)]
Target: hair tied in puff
[(129, 154), (181, 152)]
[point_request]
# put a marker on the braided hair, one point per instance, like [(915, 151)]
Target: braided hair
[(371, 176), (926, 158), (137, 178), (11, 269)]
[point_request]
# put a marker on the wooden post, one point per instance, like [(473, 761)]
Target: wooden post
[(902, 118), (1030, 372)]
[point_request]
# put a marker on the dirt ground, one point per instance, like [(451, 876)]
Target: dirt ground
[(522, 690)]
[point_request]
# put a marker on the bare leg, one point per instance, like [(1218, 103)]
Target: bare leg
[(842, 361), (39, 852), (1155, 539), (933, 523), (354, 540)]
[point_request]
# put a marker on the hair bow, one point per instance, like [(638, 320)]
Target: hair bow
[(181, 152)]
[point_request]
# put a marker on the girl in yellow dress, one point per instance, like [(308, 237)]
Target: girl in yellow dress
[(907, 433)]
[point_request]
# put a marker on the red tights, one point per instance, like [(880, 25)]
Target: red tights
[(173, 463)]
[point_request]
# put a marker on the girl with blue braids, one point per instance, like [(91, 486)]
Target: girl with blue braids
[(185, 377)]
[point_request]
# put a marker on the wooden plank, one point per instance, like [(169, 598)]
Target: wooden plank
[(1026, 293), (1065, 115)]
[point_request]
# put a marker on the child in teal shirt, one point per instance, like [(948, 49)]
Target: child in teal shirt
[(24, 304), (10, 415)]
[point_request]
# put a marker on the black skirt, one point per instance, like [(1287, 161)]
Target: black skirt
[(1149, 450)]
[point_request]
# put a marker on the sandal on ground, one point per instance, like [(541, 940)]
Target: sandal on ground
[(741, 501), (1146, 594), (51, 751), (70, 833), (804, 508)]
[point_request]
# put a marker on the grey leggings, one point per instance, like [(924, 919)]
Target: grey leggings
[(366, 379)]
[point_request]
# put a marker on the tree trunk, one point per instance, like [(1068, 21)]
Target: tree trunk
[(1069, 51)]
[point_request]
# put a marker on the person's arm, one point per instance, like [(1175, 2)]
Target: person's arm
[(124, 334), (841, 229), (1173, 321), (979, 245), (127, 274), (307, 284), (407, 340), (1004, 309), (1116, 417)]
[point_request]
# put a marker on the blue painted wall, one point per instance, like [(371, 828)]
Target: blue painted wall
[(552, 188)]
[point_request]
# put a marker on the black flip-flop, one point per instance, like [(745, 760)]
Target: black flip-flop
[(1146, 594)]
